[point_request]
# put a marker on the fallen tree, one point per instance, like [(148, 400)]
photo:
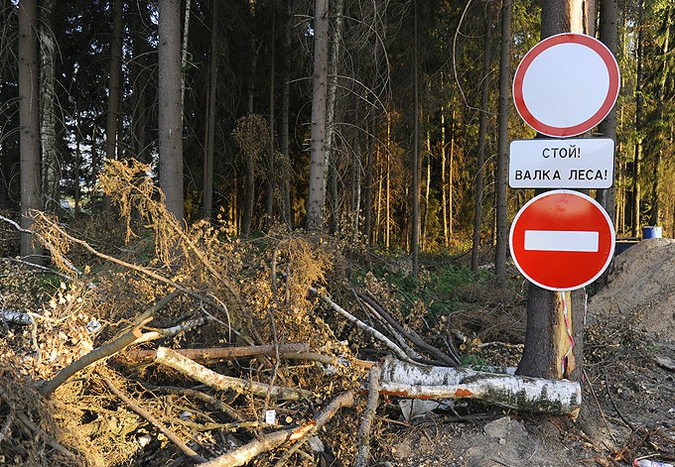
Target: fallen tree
[(405, 379)]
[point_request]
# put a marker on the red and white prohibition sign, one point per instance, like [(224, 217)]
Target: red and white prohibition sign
[(562, 240), (566, 85)]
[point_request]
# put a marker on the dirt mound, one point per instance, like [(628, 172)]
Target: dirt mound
[(641, 288)]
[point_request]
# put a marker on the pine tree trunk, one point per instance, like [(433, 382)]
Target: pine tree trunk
[(209, 151), (170, 111), (504, 87), (317, 166), (29, 139), (482, 131), (50, 163)]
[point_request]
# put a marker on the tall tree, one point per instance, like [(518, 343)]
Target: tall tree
[(609, 35), (504, 85), (482, 132), (29, 137), (170, 111), (50, 161), (317, 166), (209, 146), (554, 329)]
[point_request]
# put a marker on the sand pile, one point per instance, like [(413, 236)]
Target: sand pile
[(641, 288)]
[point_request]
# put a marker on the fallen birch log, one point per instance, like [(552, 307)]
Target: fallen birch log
[(221, 353), (557, 397), (215, 380), (247, 452)]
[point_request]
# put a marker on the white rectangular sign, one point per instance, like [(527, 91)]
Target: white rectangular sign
[(561, 240), (581, 163)]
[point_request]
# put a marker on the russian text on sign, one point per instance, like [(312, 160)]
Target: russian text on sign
[(581, 163)]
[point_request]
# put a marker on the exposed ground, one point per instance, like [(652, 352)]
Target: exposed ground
[(629, 389), (628, 408)]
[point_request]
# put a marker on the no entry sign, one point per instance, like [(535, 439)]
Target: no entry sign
[(566, 85), (562, 240)]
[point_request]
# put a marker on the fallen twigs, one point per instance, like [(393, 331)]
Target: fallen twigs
[(222, 353), (450, 360), (215, 380), (558, 397), (156, 423), (374, 332), (275, 439)]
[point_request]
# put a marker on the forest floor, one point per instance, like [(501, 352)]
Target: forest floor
[(628, 411), (628, 408)]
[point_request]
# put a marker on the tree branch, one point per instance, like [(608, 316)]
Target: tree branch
[(215, 380), (244, 454)]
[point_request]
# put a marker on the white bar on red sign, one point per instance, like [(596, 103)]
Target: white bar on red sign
[(561, 240)]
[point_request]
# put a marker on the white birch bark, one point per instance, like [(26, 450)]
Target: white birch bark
[(557, 397)]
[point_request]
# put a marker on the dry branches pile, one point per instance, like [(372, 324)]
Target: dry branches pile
[(183, 346)]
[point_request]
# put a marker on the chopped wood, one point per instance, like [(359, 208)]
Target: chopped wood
[(204, 375), (246, 453), (557, 397), (156, 423), (221, 353)]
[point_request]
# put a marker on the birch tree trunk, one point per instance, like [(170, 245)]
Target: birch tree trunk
[(317, 166), (412, 380)]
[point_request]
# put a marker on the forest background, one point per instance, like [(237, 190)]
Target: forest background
[(411, 91)]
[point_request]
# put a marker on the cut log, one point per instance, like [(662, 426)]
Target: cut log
[(404, 379)]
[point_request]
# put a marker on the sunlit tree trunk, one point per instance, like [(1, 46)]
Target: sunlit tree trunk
[(284, 138), (639, 118), (50, 160), (331, 97), (554, 329), (415, 237), (444, 183), (170, 112), (317, 166), (609, 35), (482, 131), (114, 83), (29, 138), (504, 86)]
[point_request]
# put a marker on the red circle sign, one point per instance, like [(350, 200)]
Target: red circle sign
[(566, 85), (562, 240)]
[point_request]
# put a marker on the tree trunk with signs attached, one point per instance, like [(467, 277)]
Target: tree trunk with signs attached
[(554, 330)]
